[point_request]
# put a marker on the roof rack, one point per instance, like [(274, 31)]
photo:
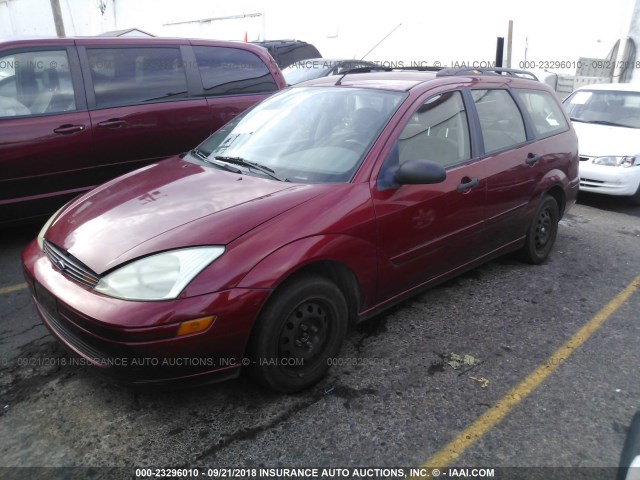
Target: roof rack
[(361, 70), (445, 71), (419, 69), (512, 72), (387, 69)]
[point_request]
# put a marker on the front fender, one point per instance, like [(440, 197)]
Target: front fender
[(356, 254)]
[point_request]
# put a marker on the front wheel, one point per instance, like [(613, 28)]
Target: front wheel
[(300, 329), (542, 231)]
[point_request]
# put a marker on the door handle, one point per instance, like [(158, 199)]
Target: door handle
[(112, 123), (68, 128), (470, 183), (532, 158)]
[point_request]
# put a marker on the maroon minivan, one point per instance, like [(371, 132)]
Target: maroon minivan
[(320, 207), (75, 112)]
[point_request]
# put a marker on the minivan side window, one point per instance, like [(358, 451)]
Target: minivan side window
[(129, 76), (500, 119), (35, 83), (545, 113), (438, 130), (232, 71)]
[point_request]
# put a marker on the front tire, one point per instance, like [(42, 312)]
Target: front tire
[(542, 232), (300, 329)]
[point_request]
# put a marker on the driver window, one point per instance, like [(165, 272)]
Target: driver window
[(438, 131)]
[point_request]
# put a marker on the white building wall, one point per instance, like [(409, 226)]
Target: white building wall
[(26, 17), (462, 31), (34, 18)]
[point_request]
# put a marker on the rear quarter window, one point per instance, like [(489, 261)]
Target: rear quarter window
[(232, 71), (544, 111)]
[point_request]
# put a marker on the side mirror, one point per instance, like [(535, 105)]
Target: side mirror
[(418, 172)]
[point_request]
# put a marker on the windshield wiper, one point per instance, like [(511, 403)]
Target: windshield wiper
[(246, 163), (224, 166), (600, 122)]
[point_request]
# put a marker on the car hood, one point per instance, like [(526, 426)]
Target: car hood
[(168, 205), (603, 140)]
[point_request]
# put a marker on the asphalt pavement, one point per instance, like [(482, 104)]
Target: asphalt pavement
[(391, 400)]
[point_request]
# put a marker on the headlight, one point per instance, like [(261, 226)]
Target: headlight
[(611, 161), (158, 277), (46, 226)]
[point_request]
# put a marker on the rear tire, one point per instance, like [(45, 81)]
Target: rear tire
[(300, 329), (542, 232)]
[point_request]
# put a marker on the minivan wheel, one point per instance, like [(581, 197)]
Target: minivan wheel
[(298, 332), (542, 231)]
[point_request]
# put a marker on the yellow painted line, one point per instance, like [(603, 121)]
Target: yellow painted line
[(13, 288), (488, 420)]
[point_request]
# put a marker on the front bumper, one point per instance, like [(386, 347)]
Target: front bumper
[(608, 180), (136, 341)]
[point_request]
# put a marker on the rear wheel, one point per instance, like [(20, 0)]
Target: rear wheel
[(542, 231), (300, 329)]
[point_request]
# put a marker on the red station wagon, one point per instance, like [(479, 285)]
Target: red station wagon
[(318, 208), (75, 113)]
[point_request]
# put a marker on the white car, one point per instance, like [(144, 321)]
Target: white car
[(606, 118)]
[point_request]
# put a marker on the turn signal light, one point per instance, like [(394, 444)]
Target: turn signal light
[(194, 326)]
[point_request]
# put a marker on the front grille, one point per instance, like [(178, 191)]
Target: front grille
[(65, 333), (584, 159), (70, 266)]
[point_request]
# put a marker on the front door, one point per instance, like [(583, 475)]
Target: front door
[(426, 231), (45, 134)]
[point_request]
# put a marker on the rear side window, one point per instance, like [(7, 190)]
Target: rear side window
[(35, 83), (128, 76), (437, 131), (232, 71), (544, 111), (500, 119)]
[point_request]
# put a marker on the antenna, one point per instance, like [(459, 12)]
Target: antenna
[(385, 37)]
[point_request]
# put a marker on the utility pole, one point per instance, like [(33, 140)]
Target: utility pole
[(57, 17), (509, 43)]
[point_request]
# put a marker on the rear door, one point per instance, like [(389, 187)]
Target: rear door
[(426, 231), (45, 135), (513, 165), (141, 105)]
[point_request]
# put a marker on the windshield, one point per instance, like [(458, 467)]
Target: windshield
[(305, 70), (605, 107), (306, 135)]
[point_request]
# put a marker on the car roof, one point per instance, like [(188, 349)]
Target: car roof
[(20, 41), (622, 87), (405, 80), (399, 81)]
